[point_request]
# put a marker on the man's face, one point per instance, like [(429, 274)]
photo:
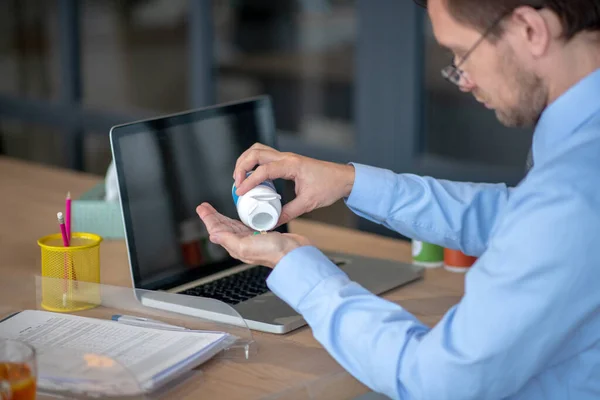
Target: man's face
[(492, 72)]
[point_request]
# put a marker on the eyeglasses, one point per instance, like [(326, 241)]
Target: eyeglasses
[(452, 72)]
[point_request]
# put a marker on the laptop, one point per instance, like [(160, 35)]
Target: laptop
[(166, 167)]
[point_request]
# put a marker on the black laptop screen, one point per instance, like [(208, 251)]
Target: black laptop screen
[(166, 168)]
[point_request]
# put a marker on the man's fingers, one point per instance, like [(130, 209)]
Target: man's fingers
[(208, 215), (272, 170), (230, 241), (205, 209), (251, 149), (216, 222), (292, 210), (250, 158)]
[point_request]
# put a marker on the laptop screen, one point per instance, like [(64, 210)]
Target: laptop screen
[(166, 167)]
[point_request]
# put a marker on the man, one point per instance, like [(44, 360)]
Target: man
[(528, 326)]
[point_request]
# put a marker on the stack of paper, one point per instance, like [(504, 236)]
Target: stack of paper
[(88, 355)]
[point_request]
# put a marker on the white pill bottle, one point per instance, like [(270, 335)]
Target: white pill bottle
[(260, 208)]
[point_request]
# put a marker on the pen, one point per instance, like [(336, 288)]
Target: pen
[(145, 322)]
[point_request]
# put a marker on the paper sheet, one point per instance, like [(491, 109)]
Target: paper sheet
[(88, 342)]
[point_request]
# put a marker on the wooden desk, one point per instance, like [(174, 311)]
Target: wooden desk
[(31, 196)]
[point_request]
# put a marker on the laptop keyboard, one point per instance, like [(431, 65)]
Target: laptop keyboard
[(234, 289)]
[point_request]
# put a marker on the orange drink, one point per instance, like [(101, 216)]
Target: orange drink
[(17, 370)]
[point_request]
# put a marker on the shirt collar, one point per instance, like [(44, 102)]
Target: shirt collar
[(566, 114)]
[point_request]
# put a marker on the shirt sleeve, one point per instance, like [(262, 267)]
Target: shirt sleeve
[(523, 300), (457, 215)]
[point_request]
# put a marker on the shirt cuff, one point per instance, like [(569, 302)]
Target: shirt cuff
[(372, 190), (299, 272)]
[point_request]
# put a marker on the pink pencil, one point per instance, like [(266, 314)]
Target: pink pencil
[(65, 239), (63, 229), (68, 215), (66, 236)]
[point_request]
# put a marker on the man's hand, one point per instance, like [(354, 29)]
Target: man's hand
[(241, 243), (317, 183)]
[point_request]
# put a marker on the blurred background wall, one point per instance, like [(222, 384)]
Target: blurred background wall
[(351, 80)]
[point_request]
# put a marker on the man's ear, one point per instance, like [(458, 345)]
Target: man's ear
[(534, 30)]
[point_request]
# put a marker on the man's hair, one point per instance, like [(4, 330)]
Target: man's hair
[(576, 15)]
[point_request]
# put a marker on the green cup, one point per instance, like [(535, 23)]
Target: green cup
[(427, 255)]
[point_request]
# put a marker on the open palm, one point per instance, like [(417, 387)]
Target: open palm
[(240, 242), (218, 223)]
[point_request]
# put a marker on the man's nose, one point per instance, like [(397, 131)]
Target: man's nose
[(466, 84)]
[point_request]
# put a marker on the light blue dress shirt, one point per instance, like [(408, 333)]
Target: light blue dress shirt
[(528, 326)]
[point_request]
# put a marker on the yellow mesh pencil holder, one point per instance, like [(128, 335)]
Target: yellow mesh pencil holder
[(70, 275)]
